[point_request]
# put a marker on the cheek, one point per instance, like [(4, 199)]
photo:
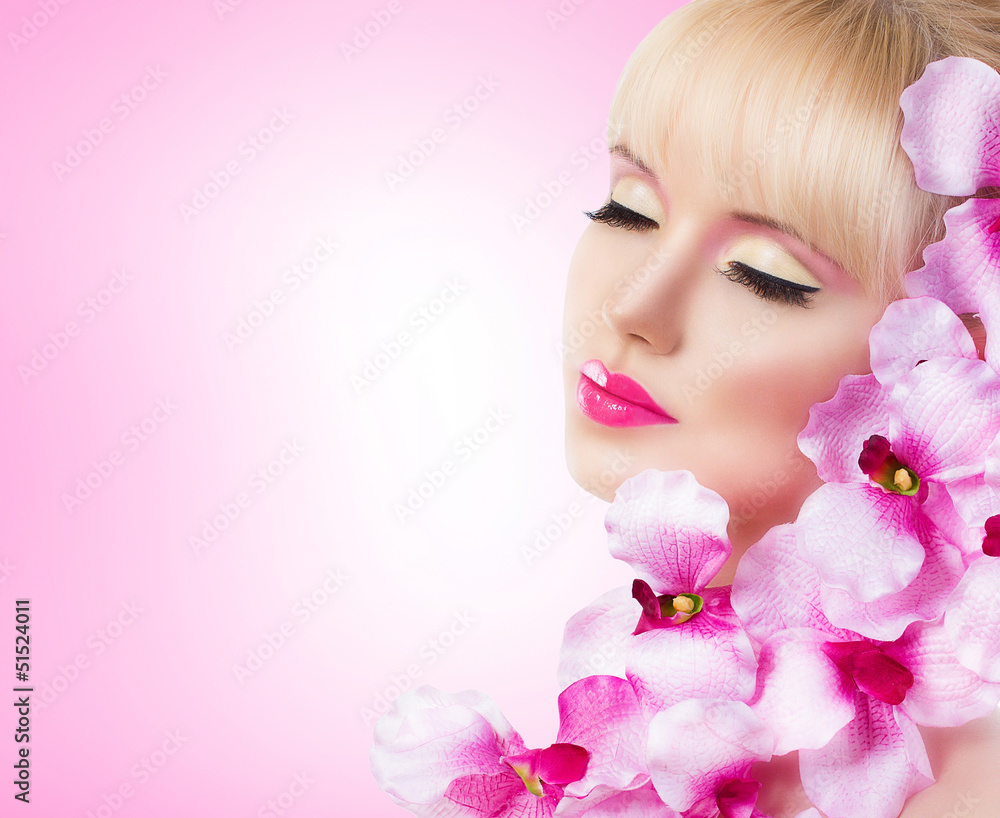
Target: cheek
[(800, 361)]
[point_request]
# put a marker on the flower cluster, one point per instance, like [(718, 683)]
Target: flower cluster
[(874, 612)]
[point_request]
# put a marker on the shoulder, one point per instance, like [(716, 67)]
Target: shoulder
[(964, 762)]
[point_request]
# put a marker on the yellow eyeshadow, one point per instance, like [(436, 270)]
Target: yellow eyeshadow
[(769, 257), (635, 195)]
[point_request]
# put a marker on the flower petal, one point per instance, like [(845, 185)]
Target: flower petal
[(861, 539), (870, 767), (602, 714), (698, 745), (923, 599), (775, 588), (914, 330), (500, 796), (838, 427), (951, 126), (708, 657), (973, 622), (563, 763), (963, 268), (989, 315), (943, 416), (595, 639), (670, 529), (801, 695), (606, 802)]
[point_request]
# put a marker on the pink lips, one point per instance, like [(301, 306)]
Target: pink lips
[(616, 400)]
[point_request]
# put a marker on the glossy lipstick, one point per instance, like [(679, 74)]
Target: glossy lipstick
[(613, 399)]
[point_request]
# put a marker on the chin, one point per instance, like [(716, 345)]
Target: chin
[(601, 459), (598, 466)]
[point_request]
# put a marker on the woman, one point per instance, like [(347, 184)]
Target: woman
[(761, 216)]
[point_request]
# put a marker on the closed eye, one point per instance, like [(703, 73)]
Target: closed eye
[(617, 215), (769, 287)]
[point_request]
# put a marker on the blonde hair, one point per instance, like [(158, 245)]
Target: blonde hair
[(793, 106)]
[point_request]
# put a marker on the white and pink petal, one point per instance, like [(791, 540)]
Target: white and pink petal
[(698, 745), (973, 619), (870, 767), (595, 640), (924, 599), (775, 588), (944, 414), (607, 802), (963, 268), (838, 428), (801, 696), (861, 539), (913, 330), (951, 129), (670, 529)]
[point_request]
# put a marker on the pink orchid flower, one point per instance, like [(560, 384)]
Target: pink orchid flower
[(905, 470), (951, 133), (912, 331), (848, 703), (439, 754), (671, 635)]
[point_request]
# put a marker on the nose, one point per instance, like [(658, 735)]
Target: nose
[(649, 304)]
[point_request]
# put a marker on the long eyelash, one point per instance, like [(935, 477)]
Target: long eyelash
[(617, 215), (768, 287)]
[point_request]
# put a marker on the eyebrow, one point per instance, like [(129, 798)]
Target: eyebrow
[(627, 154), (749, 218)]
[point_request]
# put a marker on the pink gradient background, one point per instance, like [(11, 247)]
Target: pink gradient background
[(162, 337)]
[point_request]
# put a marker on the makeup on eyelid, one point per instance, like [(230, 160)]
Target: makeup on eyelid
[(766, 256), (635, 195), (758, 253)]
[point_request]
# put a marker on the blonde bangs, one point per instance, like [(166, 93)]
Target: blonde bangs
[(791, 108)]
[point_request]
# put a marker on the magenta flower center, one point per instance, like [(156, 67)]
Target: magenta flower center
[(872, 671), (881, 465), (736, 798), (991, 542), (559, 764), (665, 610)]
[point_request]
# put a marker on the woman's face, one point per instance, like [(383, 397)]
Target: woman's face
[(731, 325)]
